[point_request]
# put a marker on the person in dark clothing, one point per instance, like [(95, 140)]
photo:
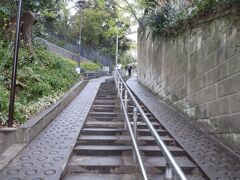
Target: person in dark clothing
[(130, 71)]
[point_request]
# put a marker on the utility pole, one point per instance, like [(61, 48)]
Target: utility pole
[(81, 4), (14, 66), (80, 35), (65, 35), (116, 60)]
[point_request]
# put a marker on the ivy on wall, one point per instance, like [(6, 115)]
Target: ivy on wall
[(171, 19)]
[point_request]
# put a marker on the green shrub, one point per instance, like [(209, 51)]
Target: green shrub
[(89, 66), (41, 79)]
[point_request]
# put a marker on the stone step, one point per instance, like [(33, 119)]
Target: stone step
[(112, 176), (119, 118), (103, 124), (104, 101), (120, 140), (123, 164), (101, 150), (120, 124), (103, 114), (149, 115), (114, 131), (98, 102), (98, 176), (105, 109), (105, 106), (106, 98), (104, 93)]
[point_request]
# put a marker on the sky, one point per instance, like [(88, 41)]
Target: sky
[(70, 6)]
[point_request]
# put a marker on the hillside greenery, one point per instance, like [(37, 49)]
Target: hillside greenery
[(41, 80)]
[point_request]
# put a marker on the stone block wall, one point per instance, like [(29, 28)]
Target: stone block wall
[(198, 71)]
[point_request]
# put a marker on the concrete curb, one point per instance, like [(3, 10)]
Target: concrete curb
[(10, 137), (34, 126)]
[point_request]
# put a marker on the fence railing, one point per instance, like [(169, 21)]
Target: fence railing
[(89, 52), (172, 169), (95, 74)]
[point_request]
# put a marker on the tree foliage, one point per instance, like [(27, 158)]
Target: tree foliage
[(100, 23), (46, 10)]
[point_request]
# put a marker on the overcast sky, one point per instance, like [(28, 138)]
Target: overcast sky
[(71, 5)]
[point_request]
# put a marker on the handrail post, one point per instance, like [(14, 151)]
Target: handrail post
[(115, 77), (126, 106), (168, 173), (135, 116), (121, 92), (121, 89), (117, 85)]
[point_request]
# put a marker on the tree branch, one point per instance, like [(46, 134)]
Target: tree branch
[(131, 10)]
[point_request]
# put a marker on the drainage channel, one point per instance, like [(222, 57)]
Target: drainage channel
[(104, 149)]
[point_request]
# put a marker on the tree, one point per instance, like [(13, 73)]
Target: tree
[(46, 10), (99, 27), (42, 7)]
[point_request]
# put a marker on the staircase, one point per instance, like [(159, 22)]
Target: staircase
[(104, 149)]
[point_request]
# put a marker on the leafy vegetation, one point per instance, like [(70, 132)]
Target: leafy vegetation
[(174, 18), (42, 79), (88, 66), (42, 76), (99, 22), (126, 59), (46, 10)]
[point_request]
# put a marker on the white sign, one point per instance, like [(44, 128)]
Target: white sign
[(78, 70), (105, 68)]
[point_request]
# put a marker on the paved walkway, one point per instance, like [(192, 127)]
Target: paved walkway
[(46, 156), (216, 160)]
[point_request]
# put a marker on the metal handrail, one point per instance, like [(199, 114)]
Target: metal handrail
[(136, 149), (172, 167)]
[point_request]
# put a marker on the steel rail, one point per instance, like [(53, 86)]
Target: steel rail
[(136, 149), (168, 156)]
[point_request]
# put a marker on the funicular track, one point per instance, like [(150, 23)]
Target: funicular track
[(104, 148)]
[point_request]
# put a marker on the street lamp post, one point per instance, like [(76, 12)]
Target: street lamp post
[(81, 5), (14, 66), (116, 59)]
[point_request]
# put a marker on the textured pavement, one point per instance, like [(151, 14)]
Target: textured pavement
[(46, 156), (216, 160)]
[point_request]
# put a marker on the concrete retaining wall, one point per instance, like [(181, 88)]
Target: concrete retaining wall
[(198, 72)]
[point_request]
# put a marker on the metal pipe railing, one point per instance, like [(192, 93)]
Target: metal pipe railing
[(172, 168), (137, 154)]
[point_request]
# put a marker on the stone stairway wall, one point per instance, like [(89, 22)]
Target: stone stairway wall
[(198, 71)]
